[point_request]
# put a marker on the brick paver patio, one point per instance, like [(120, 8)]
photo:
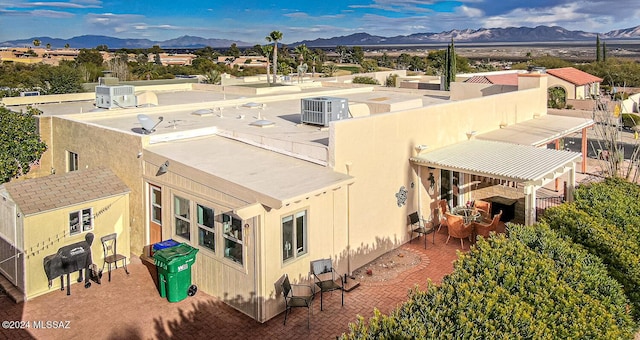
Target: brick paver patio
[(131, 308)]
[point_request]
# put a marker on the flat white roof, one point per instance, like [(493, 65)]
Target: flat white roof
[(270, 178)]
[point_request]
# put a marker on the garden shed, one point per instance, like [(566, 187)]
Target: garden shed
[(39, 216)]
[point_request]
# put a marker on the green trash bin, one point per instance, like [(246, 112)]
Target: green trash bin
[(174, 271)]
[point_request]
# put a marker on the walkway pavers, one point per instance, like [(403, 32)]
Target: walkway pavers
[(129, 307)]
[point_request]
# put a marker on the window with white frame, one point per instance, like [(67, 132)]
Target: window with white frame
[(80, 221), (182, 216), (294, 235), (156, 205), (72, 161), (232, 233), (206, 227)]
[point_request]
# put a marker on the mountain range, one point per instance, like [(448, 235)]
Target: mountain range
[(482, 35)]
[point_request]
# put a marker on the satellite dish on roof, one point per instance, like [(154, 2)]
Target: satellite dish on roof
[(148, 125)]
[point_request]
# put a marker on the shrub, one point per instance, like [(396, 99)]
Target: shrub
[(533, 285), (365, 80), (605, 220)]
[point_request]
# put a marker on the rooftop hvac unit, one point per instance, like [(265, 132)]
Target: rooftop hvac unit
[(109, 97), (322, 110)]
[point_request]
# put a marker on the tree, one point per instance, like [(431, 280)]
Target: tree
[(342, 52), (267, 52), (102, 47), (213, 77), (274, 37), (598, 55), (66, 45), (357, 54), (608, 141), (48, 46), (20, 144), (556, 97), (62, 79), (329, 69), (36, 42), (89, 56), (450, 66), (234, 50), (604, 52)]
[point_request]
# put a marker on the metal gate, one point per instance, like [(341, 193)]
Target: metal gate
[(543, 203), (11, 259)]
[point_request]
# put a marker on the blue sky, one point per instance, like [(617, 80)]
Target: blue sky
[(251, 21)]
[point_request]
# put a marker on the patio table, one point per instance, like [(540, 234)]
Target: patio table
[(468, 214)]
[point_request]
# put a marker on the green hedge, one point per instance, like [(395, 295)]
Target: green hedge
[(605, 219), (532, 285)]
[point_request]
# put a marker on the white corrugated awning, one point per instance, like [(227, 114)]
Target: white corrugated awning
[(513, 162), (538, 131)]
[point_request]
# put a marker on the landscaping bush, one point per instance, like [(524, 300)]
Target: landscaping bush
[(604, 219), (532, 285), (365, 80)]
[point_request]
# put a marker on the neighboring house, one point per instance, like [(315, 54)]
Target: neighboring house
[(237, 174), (577, 84), (168, 59), (41, 215)]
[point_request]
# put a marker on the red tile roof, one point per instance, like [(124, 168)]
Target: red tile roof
[(574, 76), (57, 191)]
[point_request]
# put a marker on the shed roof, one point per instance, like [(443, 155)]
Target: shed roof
[(512, 162), (48, 193), (574, 76)]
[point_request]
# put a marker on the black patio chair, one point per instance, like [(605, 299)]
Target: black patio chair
[(326, 278), (301, 296), (111, 256), (421, 227)]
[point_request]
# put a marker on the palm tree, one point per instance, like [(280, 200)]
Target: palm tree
[(274, 37), (266, 52), (66, 45)]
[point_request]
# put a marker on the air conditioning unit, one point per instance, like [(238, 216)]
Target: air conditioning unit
[(118, 96), (322, 110)]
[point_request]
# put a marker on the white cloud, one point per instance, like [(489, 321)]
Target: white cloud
[(54, 4), (469, 11), (559, 15)]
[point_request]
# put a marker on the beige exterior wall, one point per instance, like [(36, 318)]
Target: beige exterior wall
[(569, 88), (45, 233), (100, 147), (463, 91), (253, 286), (376, 150)]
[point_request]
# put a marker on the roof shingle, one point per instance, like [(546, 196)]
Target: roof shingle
[(57, 191)]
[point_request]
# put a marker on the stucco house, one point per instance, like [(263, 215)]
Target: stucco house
[(261, 193), (577, 84)]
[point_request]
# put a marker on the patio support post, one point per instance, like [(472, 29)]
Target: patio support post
[(557, 180), (584, 151), (571, 184), (529, 204)]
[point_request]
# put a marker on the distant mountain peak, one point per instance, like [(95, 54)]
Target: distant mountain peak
[(482, 35)]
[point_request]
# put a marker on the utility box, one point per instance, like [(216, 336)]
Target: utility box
[(322, 110), (115, 96)]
